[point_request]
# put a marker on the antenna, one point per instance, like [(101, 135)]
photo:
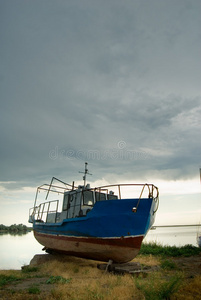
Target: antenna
[(85, 173)]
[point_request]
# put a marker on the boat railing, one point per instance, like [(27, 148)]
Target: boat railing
[(151, 188), (150, 195), (152, 192), (46, 212)]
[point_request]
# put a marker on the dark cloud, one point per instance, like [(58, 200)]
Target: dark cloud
[(115, 83)]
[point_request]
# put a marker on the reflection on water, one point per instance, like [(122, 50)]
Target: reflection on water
[(173, 236), (18, 250), (13, 233)]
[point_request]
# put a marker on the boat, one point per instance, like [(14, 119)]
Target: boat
[(199, 240), (199, 235), (106, 223)]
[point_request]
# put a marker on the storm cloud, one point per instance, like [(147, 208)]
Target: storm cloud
[(116, 83)]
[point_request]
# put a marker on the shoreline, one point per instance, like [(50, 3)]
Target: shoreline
[(190, 225)]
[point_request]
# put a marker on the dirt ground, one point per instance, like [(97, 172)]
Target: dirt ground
[(190, 265)]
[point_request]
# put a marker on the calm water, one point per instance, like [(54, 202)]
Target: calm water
[(173, 236), (16, 251)]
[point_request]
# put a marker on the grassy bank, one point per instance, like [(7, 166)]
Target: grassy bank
[(178, 276), (157, 249)]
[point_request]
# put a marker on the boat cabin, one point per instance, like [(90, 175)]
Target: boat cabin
[(79, 202), (76, 203)]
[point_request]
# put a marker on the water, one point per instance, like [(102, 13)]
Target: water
[(16, 251), (173, 236)]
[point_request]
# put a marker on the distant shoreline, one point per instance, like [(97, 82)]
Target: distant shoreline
[(175, 225), (14, 229)]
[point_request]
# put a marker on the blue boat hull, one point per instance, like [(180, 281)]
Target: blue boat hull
[(110, 231)]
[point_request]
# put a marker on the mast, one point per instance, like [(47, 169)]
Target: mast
[(85, 173)]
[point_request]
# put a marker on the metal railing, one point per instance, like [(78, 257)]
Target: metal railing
[(151, 190), (42, 212)]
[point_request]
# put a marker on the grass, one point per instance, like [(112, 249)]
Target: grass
[(6, 279), (58, 279), (168, 264), (34, 290), (159, 250), (28, 269), (77, 279), (158, 289)]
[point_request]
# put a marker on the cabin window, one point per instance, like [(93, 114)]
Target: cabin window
[(65, 203), (111, 197), (88, 198), (100, 196), (73, 206)]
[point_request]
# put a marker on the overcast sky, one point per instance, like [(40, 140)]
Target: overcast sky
[(115, 83)]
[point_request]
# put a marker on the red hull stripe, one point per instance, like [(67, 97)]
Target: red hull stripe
[(133, 241)]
